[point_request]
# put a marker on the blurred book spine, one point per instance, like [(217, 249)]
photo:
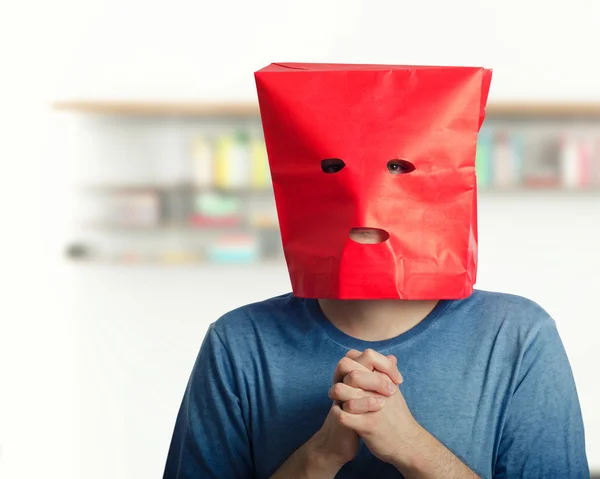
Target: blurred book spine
[(499, 160), (585, 157), (595, 163), (517, 156), (570, 162), (261, 178), (233, 161), (579, 161), (203, 162), (483, 161), (507, 159), (542, 170), (222, 155)]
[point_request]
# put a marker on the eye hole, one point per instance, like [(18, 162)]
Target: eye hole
[(399, 167), (332, 165)]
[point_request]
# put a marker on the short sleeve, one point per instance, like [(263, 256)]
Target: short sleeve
[(210, 439), (543, 434)]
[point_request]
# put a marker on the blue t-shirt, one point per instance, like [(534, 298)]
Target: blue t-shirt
[(487, 375)]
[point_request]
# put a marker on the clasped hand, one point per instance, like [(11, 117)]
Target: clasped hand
[(368, 404)]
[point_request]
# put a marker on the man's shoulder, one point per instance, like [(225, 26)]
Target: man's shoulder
[(507, 302), (262, 318), (508, 311), (257, 310)]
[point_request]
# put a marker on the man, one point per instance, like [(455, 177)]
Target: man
[(383, 362)]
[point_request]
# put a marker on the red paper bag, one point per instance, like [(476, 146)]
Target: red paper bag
[(386, 147)]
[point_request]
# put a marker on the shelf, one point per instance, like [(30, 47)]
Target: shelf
[(250, 109), (178, 262), (543, 110), (156, 188), (538, 190), (241, 227), (160, 108), (143, 188)]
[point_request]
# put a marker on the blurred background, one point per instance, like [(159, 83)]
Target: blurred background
[(137, 207)]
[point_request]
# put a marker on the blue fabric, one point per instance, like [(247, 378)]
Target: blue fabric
[(488, 376)]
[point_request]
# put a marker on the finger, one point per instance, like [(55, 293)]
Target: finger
[(369, 381), (386, 377), (359, 423), (394, 359), (344, 366), (373, 360), (336, 411), (363, 405), (342, 392), (353, 354)]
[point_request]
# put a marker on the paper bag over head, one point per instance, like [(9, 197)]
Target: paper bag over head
[(373, 170)]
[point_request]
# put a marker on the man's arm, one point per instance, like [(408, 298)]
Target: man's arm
[(210, 438), (429, 458), (308, 462), (543, 433)]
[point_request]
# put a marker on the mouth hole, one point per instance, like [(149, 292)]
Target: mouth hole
[(368, 235)]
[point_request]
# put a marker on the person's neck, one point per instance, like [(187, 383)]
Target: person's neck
[(375, 320)]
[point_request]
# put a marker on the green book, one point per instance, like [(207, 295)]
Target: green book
[(483, 159)]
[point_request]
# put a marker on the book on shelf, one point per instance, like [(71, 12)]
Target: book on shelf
[(564, 160)]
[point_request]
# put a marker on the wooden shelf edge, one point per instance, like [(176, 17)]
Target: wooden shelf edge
[(268, 193), (183, 186), (544, 109), (177, 263), (250, 109), (159, 108), (180, 226), (539, 191)]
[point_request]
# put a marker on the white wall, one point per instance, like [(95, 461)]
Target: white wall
[(209, 49), (93, 361)]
